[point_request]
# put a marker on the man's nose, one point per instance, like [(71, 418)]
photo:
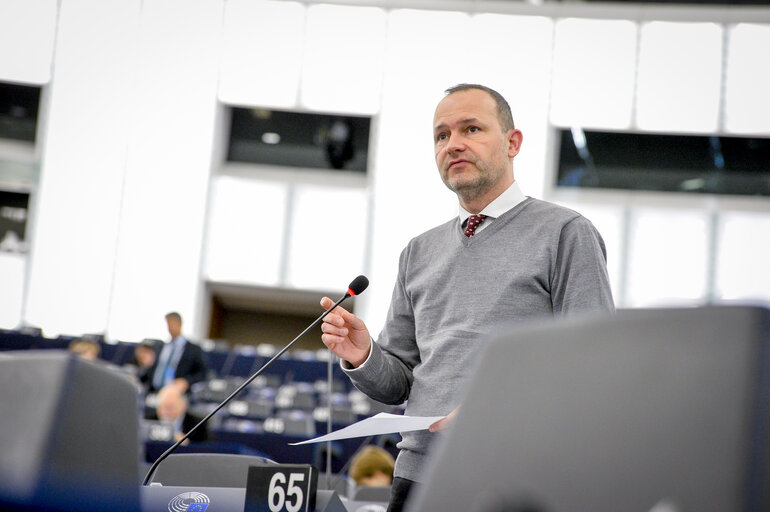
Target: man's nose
[(455, 143)]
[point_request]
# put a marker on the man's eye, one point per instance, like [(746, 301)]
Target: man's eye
[(473, 129), (441, 136)]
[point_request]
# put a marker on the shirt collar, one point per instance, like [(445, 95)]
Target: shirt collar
[(501, 204), (177, 343)]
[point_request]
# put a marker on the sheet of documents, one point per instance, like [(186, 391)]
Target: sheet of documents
[(382, 423)]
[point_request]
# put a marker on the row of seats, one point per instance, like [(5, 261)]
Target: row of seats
[(288, 403), (252, 400), (222, 361), (295, 386), (300, 409)]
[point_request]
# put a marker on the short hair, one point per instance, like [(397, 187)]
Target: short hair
[(148, 343), (504, 115), (81, 345), (370, 460), (176, 316)]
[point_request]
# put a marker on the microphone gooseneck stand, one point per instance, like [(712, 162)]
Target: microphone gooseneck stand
[(357, 286), (330, 387)]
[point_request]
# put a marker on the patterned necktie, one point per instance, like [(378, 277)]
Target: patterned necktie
[(473, 222)]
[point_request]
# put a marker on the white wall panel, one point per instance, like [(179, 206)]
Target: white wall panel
[(667, 262), (12, 268), (27, 33), (679, 78), (246, 229), (261, 57), (747, 102), (168, 166), (74, 229), (743, 256), (523, 78), (327, 242), (594, 71), (343, 59)]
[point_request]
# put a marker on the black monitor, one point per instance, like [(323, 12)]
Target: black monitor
[(633, 411), (68, 434)]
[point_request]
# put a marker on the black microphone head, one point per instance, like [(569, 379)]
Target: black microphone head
[(358, 285)]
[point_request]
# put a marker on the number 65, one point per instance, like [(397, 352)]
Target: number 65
[(276, 496)]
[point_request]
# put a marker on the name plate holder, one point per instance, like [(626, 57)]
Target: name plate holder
[(281, 488)]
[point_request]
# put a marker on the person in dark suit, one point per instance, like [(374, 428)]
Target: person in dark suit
[(178, 362), (172, 408), (144, 360)]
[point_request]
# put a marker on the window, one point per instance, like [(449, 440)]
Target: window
[(18, 111), (299, 140), (672, 163), (13, 221)]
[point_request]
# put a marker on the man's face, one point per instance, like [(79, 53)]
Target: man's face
[(473, 154), (174, 326), (170, 407)]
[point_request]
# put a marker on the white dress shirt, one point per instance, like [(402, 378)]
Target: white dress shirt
[(501, 204)]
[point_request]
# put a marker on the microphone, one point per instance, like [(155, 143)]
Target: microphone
[(356, 287)]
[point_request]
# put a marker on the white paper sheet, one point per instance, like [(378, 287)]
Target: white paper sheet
[(382, 423)]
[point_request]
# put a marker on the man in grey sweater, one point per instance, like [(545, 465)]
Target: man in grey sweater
[(505, 257)]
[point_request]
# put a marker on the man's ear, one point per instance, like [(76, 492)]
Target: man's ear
[(515, 138)]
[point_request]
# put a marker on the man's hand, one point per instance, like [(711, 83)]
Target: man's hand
[(181, 384), (345, 334), (444, 422)]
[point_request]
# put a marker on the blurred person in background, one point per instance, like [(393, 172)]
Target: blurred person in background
[(90, 350), (178, 362), (87, 349), (372, 466), (144, 360), (172, 408)]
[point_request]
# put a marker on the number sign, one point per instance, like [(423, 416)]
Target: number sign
[(281, 488)]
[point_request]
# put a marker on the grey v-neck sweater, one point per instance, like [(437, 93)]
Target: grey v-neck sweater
[(537, 259)]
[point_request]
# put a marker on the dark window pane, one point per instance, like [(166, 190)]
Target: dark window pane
[(671, 163), (294, 139), (18, 111), (13, 221)]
